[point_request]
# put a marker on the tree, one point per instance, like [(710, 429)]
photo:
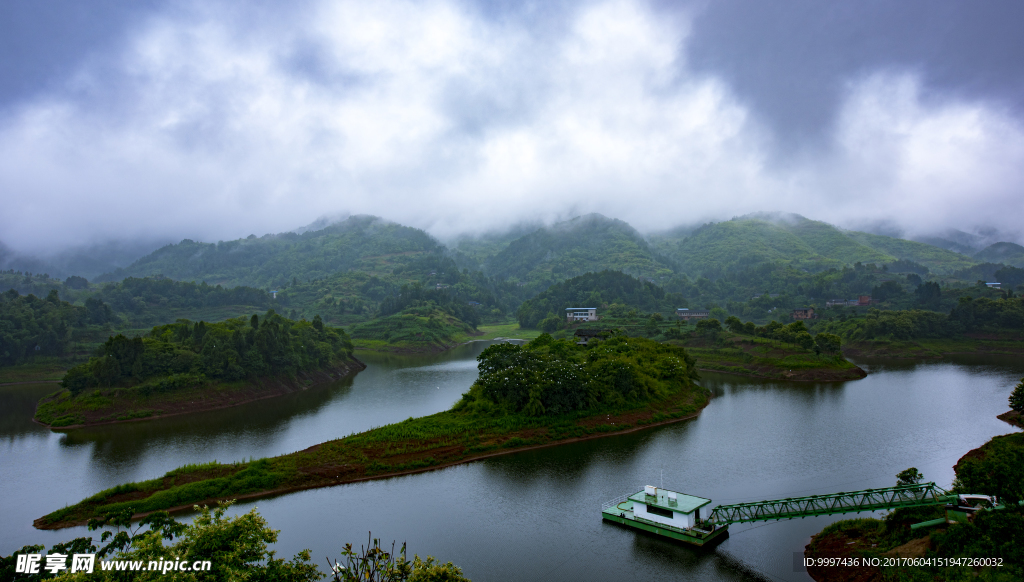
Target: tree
[(374, 564), (1017, 398), (909, 476), (236, 547), (887, 290), (709, 327), (550, 323), (76, 282), (734, 324), (651, 328), (828, 343), (1010, 277), (928, 293)]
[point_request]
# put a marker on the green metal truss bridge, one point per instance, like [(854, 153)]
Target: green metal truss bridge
[(916, 495)]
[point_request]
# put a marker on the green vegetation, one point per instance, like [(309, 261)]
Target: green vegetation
[(31, 327), (770, 351), (505, 331), (355, 297), (372, 563), (740, 243), (235, 548), (555, 377), (969, 315), (421, 328), (626, 383), (585, 244), (364, 243), (997, 468), (154, 300), (187, 360), (381, 277), (1002, 252), (1017, 398), (186, 352), (935, 258), (596, 290)]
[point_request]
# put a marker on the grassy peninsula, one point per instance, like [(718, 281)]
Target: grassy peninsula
[(186, 367), (547, 392)]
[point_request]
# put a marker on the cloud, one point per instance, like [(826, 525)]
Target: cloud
[(212, 124)]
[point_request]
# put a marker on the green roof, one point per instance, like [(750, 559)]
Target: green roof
[(683, 504)]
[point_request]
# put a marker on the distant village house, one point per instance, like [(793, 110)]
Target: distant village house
[(581, 314), (803, 313), (861, 301), (688, 314)]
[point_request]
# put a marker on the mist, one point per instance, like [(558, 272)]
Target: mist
[(206, 121)]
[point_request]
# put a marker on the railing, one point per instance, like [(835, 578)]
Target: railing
[(615, 502), (917, 495)]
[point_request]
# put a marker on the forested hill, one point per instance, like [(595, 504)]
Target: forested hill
[(791, 239), (584, 244), (1002, 252), (364, 243), (186, 353), (596, 290)]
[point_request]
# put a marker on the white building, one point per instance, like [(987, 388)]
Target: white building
[(688, 314), (667, 507), (581, 314)]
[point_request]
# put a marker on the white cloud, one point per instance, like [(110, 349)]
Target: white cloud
[(430, 114)]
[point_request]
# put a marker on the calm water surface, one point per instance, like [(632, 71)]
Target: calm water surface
[(536, 515)]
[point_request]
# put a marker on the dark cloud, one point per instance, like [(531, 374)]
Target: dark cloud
[(214, 120), (793, 60)]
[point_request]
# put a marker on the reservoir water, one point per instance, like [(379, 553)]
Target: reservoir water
[(535, 515)]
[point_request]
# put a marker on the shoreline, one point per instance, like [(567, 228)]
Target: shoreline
[(31, 382), (269, 388), (795, 377), (627, 415)]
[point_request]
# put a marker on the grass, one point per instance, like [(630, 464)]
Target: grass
[(504, 330), (413, 444), (416, 329), (994, 343), (39, 370)]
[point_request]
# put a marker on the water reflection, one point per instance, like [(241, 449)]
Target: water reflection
[(535, 514)]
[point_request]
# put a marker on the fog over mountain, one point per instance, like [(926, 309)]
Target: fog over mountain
[(213, 120)]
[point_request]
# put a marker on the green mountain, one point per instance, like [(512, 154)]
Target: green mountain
[(364, 243), (1002, 252), (584, 244), (474, 250), (596, 290), (791, 239), (935, 258)]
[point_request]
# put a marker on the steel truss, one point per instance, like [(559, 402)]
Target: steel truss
[(917, 495)]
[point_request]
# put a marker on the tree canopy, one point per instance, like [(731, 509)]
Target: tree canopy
[(189, 352)]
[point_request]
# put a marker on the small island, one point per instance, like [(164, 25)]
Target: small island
[(194, 366), (544, 393)]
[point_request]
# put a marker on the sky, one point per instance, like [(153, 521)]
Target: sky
[(215, 120)]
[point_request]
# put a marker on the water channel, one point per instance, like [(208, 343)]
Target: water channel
[(535, 515)]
